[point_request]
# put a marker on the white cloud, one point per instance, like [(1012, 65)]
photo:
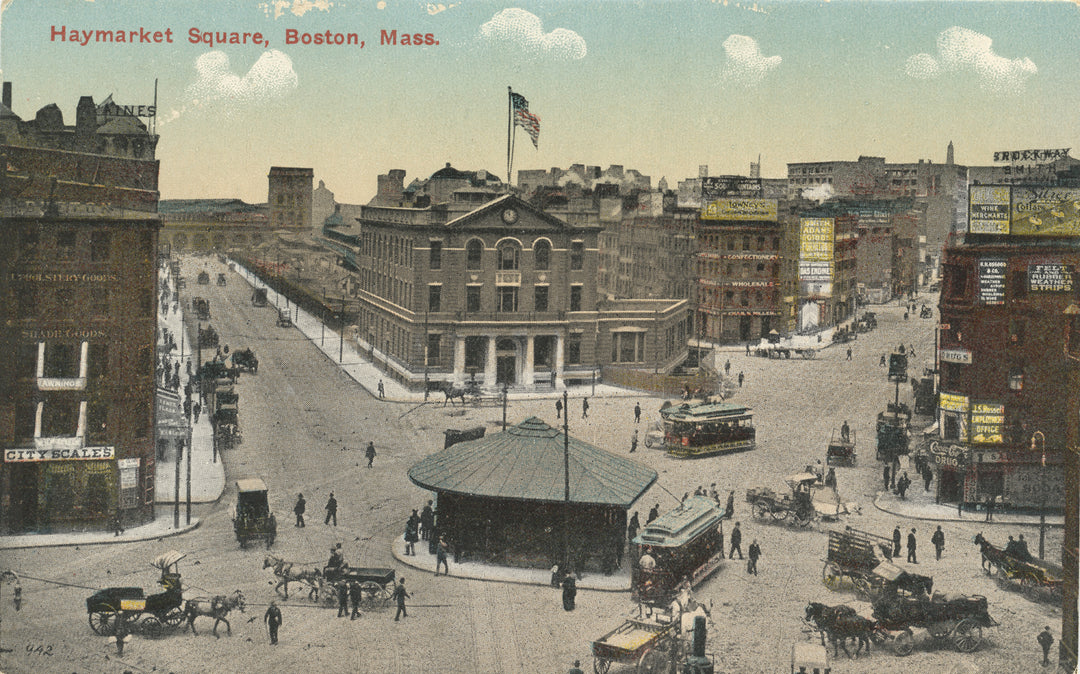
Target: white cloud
[(963, 50), (744, 63), (819, 193), (294, 7), (271, 77), (523, 30)]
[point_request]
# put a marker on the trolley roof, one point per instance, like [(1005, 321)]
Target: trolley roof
[(675, 528), (250, 484), (704, 412)]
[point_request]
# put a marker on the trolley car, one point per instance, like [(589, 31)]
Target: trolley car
[(707, 429), (687, 546)]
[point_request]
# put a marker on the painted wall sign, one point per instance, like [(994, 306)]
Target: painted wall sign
[(988, 209), (961, 356), (76, 454), (953, 402), (987, 423), (1051, 278), (992, 280)]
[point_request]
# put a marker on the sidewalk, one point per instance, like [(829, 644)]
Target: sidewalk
[(424, 561), (160, 527), (920, 505), (368, 375)]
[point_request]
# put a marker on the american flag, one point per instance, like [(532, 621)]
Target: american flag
[(524, 118)]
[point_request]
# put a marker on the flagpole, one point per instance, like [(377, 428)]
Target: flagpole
[(509, 127)]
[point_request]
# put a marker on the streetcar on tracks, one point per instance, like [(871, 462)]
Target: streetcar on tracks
[(693, 430), (684, 546)]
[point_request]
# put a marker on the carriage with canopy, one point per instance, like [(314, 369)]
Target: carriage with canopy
[(253, 520), (146, 614)]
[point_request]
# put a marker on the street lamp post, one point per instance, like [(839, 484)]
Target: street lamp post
[(1042, 492)]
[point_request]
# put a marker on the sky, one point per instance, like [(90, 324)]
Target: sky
[(657, 86)]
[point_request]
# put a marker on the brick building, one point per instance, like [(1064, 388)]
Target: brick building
[(289, 197)]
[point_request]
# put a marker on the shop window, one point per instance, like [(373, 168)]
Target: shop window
[(435, 255), (508, 257), (474, 254), (472, 298), (951, 427), (508, 296), (542, 255), (577, 255), (59, 486), (575, 298), (59, 418), (434, 298), (434, 344), (573, 349), (61, 360), (98, 356), (540, 298), (99, 487), (99, 246)]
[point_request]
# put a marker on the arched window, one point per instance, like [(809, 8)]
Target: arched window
[(542, 254), (474, 253), (508, 256)]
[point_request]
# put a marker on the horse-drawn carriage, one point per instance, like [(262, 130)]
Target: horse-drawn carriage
[(139, 612), (810, 498), (656, 640), (201, 307), (1037, 578), (204, 278), (376, 584), (841, 449), (258, 297), (283, 319), (893, 431), (959, 618), (253, 520), (208, 337), (244, 360), (221, 279)]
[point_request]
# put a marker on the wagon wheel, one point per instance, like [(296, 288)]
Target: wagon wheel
[(864, 589), (967, 635), (904, 643), (654, 661), (779, 514), (761, 508), (601, 665), (803, 518), (174, 617), (831, 575), (809, 354), (103, 622), (373, 594), (151, 627), (1029, 585)]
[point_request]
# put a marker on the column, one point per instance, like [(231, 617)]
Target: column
[(489, 366), (558, 359), (527, 366), (459, 360)]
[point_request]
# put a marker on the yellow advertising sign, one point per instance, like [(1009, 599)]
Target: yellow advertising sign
[(953, 402), (816, 239), (740, 209), (988, 209), (1045, 211)]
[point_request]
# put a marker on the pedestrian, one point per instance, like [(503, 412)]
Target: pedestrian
[(556, 577), (585, 408), (272, 618), (382, 390), (356, 595), (576, 669), (187, 409), (830, 478), (558, 408), (196, 409), (632, 528), (911, 543), (736, 542), (633, 441), (741, 377), (300, 508), (121, 636), (400, 595), (117, 524), (569, 591), (442, 552), (637, 412), (1045, 640), (427, 522), (342, 599), (370, 453), (938, 539), (911, 351), (902, 485), (895, 472), (896, 542), (885, 476), (849, 353), (412, 533), (881, 363), (653, 513), (989, 508), (748, 348), (845, 431), (729, 509), (752, 554), (727, 363), (331, 510), (927, 476)]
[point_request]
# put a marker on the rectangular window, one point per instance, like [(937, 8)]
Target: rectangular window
[(540, 298), (573, 349), (99, 300), (472, 298), (97, 422), (99, 246), (65, 244), (26, 363), (577, 255), (575, 298), (61, 360), (435, 256), (25, 420), (99, 360), (65, 301), (475, 352), (59, 417), (508, 298), (28, 243), (434, 341), (434, 298)]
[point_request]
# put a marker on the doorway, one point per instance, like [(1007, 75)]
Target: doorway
[(506, 362)]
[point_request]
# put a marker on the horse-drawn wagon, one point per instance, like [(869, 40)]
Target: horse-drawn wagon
[(204, 278), (1038, 579), (208, 337), (258, 297), (841, 449), (244, 360), (853, 554), (810, 499), (958, 618), (656, 640), (201, 307), (221, 279), (146, 614), (377, 584), (253, 520)]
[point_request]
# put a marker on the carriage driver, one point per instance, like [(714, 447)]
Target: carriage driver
[(337, 558)]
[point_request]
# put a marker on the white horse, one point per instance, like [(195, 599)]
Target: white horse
[(286, 574), (216, 608)]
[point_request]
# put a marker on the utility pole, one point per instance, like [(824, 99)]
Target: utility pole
[(566, 480), (341, 332), (504, 392), (188, 505), (176, 485)]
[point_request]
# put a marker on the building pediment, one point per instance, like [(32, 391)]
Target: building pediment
[(510, 214)]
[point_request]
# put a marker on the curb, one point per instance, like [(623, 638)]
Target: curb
[(897, 513), (103, 538)]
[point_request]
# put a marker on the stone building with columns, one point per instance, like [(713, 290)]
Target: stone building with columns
[(501, 293)]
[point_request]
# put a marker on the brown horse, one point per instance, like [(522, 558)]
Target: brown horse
[(286, 574), (841, 623), (216, 608)]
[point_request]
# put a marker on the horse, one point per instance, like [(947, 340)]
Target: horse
[(216, 608), (284, 571), (841, 623), (990, 553)]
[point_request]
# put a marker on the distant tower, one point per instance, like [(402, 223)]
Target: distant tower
[(289, 197), (703, 171), (949, 155)]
